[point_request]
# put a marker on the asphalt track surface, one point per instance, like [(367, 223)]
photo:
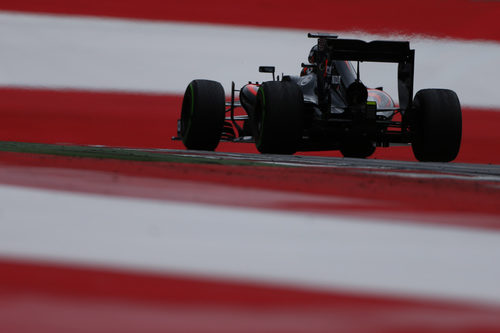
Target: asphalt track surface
[(464, 170), (478, 171)]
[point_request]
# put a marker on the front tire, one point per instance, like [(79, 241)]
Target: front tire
[(436, 125), (203, 115), (278, 118)]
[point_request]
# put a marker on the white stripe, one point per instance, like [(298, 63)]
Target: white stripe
[(278, 247), (132, 55)]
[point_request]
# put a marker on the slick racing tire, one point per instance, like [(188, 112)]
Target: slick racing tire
[(436, 125), (357, 148), (202, 115), (278, 118)]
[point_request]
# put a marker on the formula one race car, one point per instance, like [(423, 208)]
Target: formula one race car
[(327, 107)]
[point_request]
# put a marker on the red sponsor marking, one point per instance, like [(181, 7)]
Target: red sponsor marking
[(443, 18), (253, 89), (330, 191), (142, 120), (45, 297)]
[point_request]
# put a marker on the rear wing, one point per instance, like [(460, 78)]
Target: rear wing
[(376, 51)]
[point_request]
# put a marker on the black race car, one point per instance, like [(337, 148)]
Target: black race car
[(327, 107)]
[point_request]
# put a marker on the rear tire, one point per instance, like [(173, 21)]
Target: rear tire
[(436, 125), (203, 115), (278, 118)]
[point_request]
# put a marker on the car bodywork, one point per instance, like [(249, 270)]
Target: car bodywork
[(339, 112)]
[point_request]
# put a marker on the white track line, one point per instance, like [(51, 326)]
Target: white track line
[(132, 55), (364, 255)]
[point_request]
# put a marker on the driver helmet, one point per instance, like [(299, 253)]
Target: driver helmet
[(312, 60), (312, 54)]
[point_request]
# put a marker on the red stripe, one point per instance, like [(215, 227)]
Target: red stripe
[(142, 120), (137, 120), (442, 18), (43, 297)]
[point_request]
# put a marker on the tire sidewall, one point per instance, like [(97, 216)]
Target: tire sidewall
[(436, 125), (202, 115), (278, 117)]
